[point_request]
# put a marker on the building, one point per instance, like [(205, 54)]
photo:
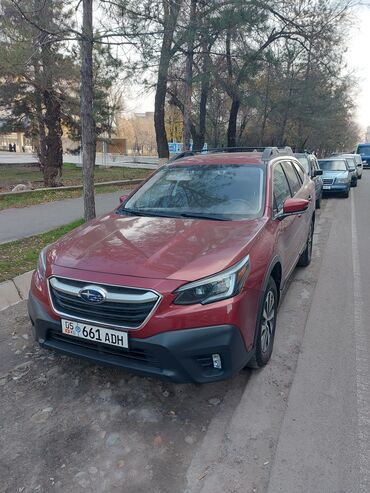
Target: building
[(21, 142)]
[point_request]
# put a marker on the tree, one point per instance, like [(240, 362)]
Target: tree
[(37, 67), (88, 130)]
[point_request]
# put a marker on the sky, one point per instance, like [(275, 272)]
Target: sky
[(357, 58)]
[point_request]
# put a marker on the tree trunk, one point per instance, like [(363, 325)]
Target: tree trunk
[(265, 107), (171, 12), (88, 128), (189, 77), (233, 117), (53, 142), (199, 138), (41, 148), (52, 148)]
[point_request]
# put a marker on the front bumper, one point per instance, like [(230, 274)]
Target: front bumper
[(336, 188), (179, 355)]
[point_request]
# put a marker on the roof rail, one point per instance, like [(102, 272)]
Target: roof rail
[(270, 152), (267, 152)]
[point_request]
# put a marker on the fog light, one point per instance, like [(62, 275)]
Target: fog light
[(216, 358)]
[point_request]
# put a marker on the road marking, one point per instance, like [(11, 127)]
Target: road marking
[(362, 364)]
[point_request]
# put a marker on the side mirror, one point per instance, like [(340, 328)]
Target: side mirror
[(294, 206), (122, 198), (318, 172), (359, 165)]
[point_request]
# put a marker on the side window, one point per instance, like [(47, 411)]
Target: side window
[(292, 177), (299, 171), (281, 188)]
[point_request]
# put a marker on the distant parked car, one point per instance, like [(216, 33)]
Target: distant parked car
[(352, 166), (364, 151), (336, 175), (311, 166), (352, 169), (356, 158)]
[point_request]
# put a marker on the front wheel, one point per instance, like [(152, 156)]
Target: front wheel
[(346, 194), (266, 327), (305, 257)]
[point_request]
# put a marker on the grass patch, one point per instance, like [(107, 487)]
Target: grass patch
[(13, 174), (20, 256), (34, 198)]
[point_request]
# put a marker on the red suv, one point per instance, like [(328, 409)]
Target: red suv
[(183, 280)]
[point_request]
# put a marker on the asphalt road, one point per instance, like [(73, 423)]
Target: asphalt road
[(19, 223), (301, 425)]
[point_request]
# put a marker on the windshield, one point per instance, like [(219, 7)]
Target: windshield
[(363, 150), (304, 162), (207, 191), (333, 165)]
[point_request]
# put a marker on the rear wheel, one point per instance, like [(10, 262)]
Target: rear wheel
[(305, 257), (318, 203), (266, 327)]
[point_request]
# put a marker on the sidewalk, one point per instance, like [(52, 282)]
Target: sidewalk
[(19, 223), (15, 290), (145, 162)]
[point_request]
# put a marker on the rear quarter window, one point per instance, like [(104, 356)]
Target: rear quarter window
[(299, 171), (293, 180)]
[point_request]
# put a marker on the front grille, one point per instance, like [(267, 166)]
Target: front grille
[(134, 354), (328, 181), (124, 307)]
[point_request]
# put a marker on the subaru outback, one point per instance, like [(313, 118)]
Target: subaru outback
[(183, 280)]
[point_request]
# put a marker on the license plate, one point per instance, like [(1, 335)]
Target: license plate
[(326, 187), (93, 333)]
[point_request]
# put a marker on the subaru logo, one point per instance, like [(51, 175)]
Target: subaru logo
[(93, 294)]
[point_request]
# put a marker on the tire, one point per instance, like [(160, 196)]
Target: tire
[(346, 194), (355, 184), (360, 177), (305, 258), (265, 332), (318, 203)]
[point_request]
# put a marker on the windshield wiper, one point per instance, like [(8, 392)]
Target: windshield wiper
[(196, 215), (137, 212)]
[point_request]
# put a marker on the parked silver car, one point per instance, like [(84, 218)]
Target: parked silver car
[(355, 159)]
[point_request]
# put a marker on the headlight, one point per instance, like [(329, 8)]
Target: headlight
[(41, 263), (214, 288), (341, 180)]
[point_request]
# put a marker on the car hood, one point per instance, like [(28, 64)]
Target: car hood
[(153, 247), (335, 174)]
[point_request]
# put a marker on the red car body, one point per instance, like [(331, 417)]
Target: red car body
[(161, 254)]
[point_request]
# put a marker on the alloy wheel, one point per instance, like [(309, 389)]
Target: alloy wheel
[(268, 321)]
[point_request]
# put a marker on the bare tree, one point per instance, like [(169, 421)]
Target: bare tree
[(88, 128)]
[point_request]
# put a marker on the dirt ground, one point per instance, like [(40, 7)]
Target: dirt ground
[(70, 426)]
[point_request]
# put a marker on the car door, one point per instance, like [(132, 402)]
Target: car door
[(299, 225), (285, 228)]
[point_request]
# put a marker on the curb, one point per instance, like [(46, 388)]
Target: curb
[(73, 187), (15, 290)]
